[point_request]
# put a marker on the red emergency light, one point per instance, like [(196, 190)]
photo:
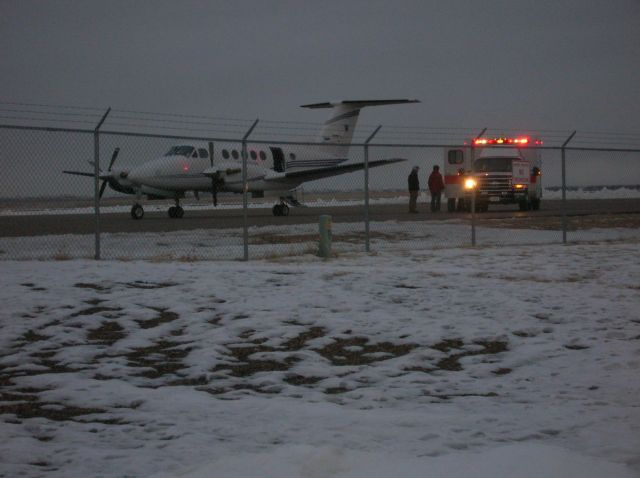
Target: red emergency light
[(501, 141)]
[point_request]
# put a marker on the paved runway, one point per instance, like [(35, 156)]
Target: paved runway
[(46, 224)]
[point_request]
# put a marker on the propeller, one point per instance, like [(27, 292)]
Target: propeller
[(105, 181), (214, 179)]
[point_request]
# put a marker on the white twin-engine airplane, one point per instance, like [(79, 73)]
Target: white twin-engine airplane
[(276, 170)]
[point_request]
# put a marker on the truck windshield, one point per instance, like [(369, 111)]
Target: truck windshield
[(493, 165)]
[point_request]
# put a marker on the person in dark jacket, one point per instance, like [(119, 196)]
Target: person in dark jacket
[(436, 186), (414, 189)]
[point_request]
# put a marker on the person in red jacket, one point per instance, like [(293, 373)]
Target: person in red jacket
[(436, 186)]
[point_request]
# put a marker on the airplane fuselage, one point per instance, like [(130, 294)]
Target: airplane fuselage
[(266, 168)]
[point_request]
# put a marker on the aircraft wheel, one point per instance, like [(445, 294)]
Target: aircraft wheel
[(284, 210), (136, 211), (277, 210), (172, 211), (179, 212)]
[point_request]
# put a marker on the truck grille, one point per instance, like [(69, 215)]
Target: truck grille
[(493, 184)]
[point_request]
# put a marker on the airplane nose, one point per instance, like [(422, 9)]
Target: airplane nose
[(135, 175)]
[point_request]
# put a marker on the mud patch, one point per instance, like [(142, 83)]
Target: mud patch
[(84, 285), (149, 285), (452, 362), (162, 358), (164, 316), (358, 351), (107, 334), (95, 310)]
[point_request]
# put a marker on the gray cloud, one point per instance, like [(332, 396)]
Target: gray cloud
[(517, 64)]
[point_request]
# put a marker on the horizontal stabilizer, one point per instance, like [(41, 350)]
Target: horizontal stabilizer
[(359, 103)]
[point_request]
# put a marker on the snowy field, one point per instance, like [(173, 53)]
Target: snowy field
[(486, 362)]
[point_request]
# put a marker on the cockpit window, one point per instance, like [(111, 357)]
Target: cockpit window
[(180, 151)]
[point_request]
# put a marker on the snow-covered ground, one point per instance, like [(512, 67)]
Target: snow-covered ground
[(486, 362), (289, 240)]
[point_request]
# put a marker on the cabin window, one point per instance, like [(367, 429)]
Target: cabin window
[(254, 155), (454, 156), (225, 154), (234, 153), (263, 155), (195, 154), (292, 156), (203, 153)]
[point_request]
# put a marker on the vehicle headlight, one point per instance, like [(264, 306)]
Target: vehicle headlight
[(470, 183)]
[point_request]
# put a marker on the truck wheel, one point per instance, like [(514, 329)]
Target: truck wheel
[(451, 204), (535, 204)]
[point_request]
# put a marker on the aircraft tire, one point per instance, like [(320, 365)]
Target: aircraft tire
[(284, 210), (137, 212), (277, 210), (172, 212), (179, 212)]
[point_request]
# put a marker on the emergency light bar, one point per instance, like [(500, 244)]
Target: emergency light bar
[(485, 141)]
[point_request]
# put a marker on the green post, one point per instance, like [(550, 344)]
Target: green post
[(324, 249)]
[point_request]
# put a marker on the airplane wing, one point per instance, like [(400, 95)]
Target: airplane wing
[(313, 174)]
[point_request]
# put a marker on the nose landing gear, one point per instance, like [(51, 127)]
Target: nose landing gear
[(136, 211)]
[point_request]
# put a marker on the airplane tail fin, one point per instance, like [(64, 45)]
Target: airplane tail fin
[(338, 129)]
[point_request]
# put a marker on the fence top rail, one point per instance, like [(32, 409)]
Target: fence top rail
[(45, 128), (296, 143)]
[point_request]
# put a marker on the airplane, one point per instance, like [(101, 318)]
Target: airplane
[(273, 169)]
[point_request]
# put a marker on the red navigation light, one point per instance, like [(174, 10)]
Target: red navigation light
[(185, 167)]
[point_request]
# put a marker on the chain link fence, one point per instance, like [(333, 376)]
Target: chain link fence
[(47, 214)]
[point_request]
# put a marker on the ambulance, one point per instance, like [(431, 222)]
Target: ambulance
[(497, 171)]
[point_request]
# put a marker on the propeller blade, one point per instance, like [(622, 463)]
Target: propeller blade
[(113, 158), (102, 188)]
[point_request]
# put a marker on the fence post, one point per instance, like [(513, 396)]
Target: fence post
[(367, 240), (474, 190), (564, 189), (245, 190), (96, 182)]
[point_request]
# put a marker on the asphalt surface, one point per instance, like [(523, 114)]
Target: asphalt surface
[(46, 224)]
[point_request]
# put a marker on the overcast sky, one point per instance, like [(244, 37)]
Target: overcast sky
[(572, 64)]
